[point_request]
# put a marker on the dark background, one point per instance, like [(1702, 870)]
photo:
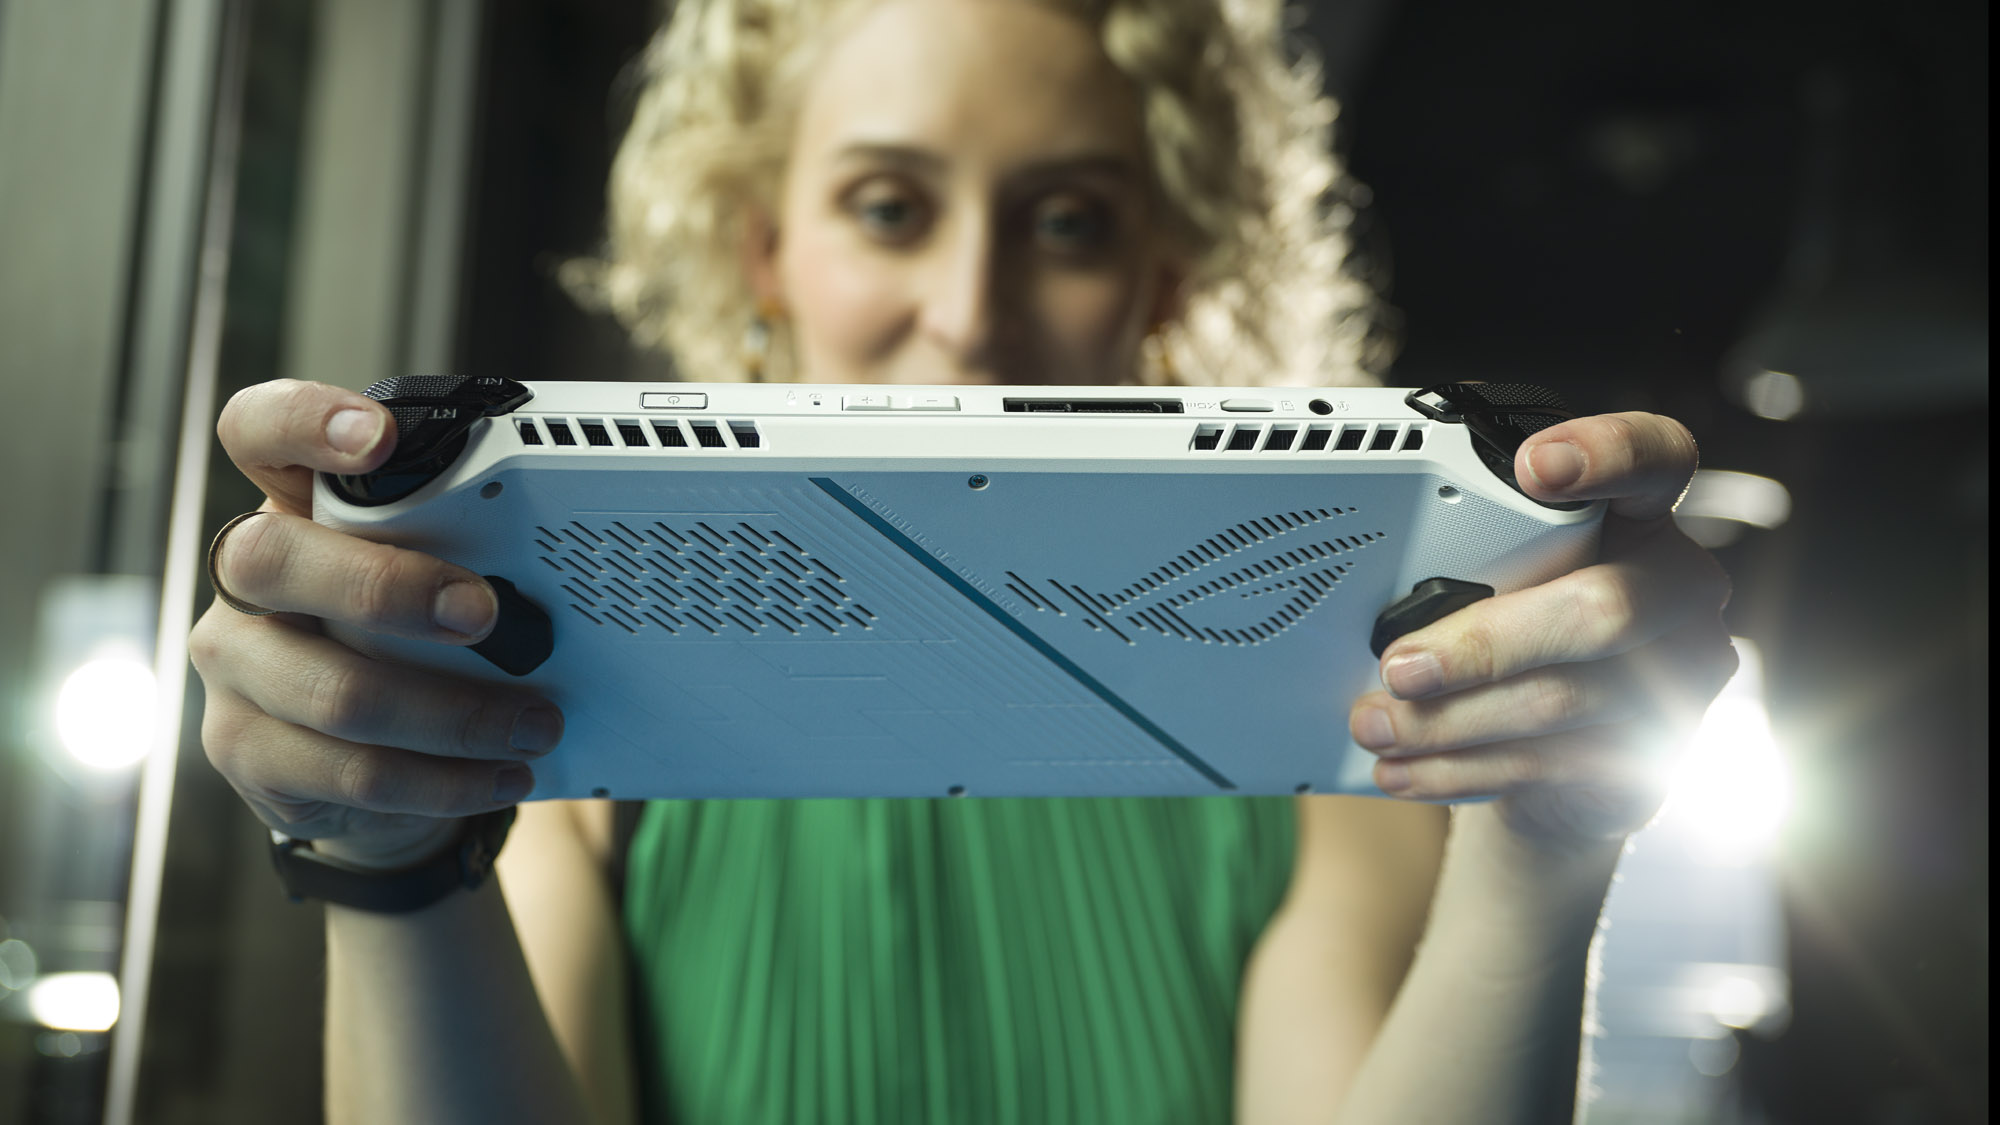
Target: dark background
[(1636, 203)]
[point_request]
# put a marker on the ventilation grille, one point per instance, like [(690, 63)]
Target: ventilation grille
[(698, 578), (659, 435), (1297, 576), (1309, 437)]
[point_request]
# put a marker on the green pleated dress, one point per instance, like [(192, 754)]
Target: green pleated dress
[(994, 960)]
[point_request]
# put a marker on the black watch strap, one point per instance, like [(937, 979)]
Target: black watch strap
[(465, 864)]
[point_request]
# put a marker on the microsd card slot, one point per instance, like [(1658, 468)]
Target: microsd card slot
[(1093, 406)]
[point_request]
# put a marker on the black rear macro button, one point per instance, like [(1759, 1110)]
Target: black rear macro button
[(434, 417), (1427, 602)]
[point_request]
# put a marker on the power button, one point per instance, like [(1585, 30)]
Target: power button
[(672, 400)]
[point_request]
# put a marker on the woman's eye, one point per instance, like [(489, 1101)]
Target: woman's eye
[(889, 215), (1073, 224)]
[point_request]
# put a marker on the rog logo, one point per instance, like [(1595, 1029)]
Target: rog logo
[(1286, 563)]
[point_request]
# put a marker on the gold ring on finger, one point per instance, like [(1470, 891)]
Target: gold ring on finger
[(222, 593)]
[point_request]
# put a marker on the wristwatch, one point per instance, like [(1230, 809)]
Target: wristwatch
[(306, 873)]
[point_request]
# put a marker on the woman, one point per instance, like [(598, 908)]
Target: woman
[(971, 191)]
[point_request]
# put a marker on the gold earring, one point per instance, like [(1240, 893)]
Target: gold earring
[(757, 339), (1163, 355), (756, 348)]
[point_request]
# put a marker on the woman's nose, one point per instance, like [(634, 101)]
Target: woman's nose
[(960, 305)]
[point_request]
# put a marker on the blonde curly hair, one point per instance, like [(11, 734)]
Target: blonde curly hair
[(1238, 128)]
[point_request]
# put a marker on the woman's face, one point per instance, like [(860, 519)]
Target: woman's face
[(966, 201)]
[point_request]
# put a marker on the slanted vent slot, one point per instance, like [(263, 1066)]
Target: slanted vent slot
[(1207, 437), (708, 434), (669, 433), (632, 434), (1385, 439), (1280, 439), (529, 434), (746, 435), (595, 433), (1316, 438), (560, 432), (1245, 437), (1350, 437), (1414, 439), (697, 580)]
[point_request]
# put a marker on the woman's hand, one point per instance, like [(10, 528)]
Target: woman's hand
[(320, 741), (1567, 700)]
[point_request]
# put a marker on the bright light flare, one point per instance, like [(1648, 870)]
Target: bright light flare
[(74, 1001), (1732, 790), (1738, 1001), (17, 965), (104, 712), (1777, 395)]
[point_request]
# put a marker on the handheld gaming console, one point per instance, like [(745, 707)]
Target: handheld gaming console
[(846, 591)]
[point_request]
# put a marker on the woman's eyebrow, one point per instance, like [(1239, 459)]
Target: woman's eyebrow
[(905, 157), (917, 159), (1108, 165)]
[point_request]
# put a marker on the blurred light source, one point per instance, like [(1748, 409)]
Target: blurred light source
[(1714, 1057), (96, 710), (104, 712), (1774, 395), (1732, 790), (1738, 1001), (17, 966), (75, 1001), (59, 1044), (1719, 504)]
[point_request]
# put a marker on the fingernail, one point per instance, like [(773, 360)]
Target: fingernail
[(537, 730), (1413, 675), (1373, 730), (512, 783), (1392, 777), (353, 431), (465, 607), (1555, 464)]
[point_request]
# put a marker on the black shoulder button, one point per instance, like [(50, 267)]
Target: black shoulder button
[(433, 415), (1499, 417)]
